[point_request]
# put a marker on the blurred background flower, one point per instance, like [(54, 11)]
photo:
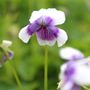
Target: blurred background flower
[(75, 74), (76, 71), (5, 53), (28, 59)]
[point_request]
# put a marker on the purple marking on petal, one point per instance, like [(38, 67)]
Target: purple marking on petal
[(69, 72), (56, 33), (32, 28), (75, 87), (77, 57), (54, 30), (48, 21)]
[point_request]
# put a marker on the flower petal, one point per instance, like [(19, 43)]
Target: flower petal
[(62, 69), (67, 86), (61, 38), (23, 35), (45, 42), (6, 43), (47, 35), (37, 14), (85, 61), (70, 53), (82, 75), (57, 16)]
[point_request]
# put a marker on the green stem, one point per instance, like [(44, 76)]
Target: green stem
[(46, 69), (16, 77), (86, 88)]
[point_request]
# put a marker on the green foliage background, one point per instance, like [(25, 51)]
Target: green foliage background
[(29, 58)]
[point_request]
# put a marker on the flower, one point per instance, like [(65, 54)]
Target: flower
[(43, 23), (6, 53), (75, 74), (69, 53)]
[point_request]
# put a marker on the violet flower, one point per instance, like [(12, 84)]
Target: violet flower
[(43, 24), (6, 53), (76, 72)]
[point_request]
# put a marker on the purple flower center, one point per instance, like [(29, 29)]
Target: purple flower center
[(45, 33), (44, 28)]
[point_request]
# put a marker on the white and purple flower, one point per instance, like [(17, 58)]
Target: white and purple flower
[(43, 23), (74, 73), (6, 53)]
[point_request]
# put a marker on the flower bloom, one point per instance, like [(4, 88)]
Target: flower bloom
[(43, 24), (6, 52), (76, 72)]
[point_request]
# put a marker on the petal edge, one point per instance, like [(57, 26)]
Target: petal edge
[(62, 37), (23, 35)]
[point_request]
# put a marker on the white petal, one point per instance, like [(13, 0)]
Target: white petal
[(37, 14), (84, 61), (67, 86), (23, 35), (45, 42), (57, 16), (6, 43), (62, 69), (62, 37), (82, 75), (68, 52)]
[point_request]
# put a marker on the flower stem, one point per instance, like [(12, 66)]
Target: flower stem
[(16, 77), (46, 69), (86, 88)]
